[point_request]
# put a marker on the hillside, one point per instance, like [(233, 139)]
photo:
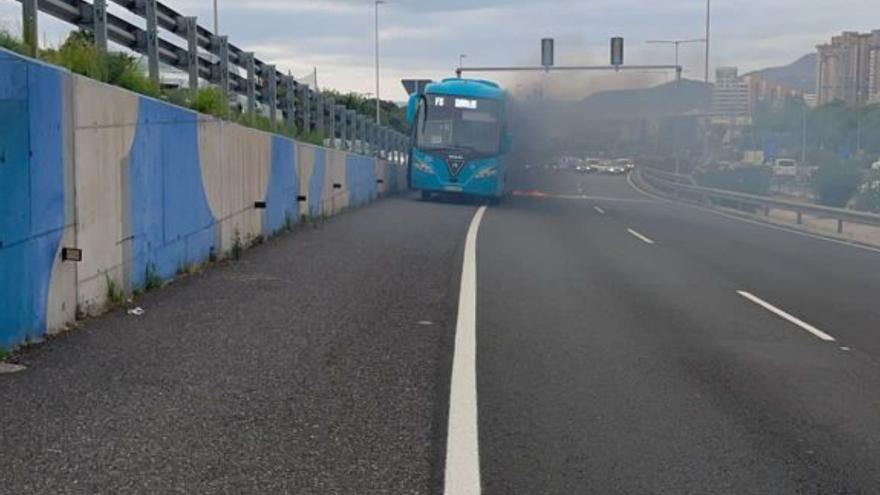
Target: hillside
[(800, 74), (678, 97)]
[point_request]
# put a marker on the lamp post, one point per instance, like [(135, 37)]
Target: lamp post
[(377, 3), (708, 25), (461, 58), (216, 21)]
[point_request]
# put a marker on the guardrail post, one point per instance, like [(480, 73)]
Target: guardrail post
[(247, 60), (839, 226), (800, 218), (191, 28), (331, 121), (152, 41), (290, 102), (342, 122), (271, 84), (363, 134), (351, 129), (302, 114), (221, 76), (29, 24), (99, 24), (319, 112), (371, 136)]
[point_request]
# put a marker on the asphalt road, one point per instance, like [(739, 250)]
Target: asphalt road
[(616, 352)]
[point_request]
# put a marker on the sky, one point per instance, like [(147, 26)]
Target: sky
[(423, 39)]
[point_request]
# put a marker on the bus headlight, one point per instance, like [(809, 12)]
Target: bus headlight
[(423, 167), (486, 173)]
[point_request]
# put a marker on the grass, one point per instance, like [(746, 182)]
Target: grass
[(12, 43), (4, 354), (79, 55), (237, 246), (152, 278), (115, 295)]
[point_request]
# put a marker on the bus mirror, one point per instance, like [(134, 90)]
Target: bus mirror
[(411, 107)]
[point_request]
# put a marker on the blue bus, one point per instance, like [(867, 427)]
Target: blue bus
[(459, 139)]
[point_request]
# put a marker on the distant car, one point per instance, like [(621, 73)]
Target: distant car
[(593, 164), (876, 165), (584, 169), (611, 168), (626, 163)]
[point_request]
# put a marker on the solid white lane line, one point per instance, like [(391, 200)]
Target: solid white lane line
[(600, 210), (462, 448), (640, 236), (792, 319)]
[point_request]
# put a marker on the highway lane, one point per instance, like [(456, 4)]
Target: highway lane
[(608, 364), (317, 364), (613, 355)]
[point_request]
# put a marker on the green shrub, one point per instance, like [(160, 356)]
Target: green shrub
[(12, 43), (312, 137), (836, 184), (209, 101), (868, 196), (79, 55)]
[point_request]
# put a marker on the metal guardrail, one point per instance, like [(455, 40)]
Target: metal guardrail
[(677, 186), (209, 56)]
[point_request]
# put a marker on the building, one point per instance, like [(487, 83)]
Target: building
[(849, 69), (762, 91), (731, 98)]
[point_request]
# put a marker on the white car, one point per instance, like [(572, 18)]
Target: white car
[(876, 165)]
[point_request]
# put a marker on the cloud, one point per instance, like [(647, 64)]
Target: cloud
[(425, 37)]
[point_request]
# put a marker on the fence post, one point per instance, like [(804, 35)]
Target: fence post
[(99, 24), (302, 112), (152, 40), (307, 107), (342, 118), (290, 102), (319, 115), (29, 24), (271, 84), (191, 27), (221, 48), (247, 60), (331, 121)]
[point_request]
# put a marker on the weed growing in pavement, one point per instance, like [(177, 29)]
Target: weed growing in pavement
[(153, 280), (237, 246), (115, 295)]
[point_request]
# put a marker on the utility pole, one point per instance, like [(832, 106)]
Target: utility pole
[(708, 38), (378, 100)]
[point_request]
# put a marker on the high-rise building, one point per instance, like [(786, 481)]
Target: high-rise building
[(849, 69), (731, 98)]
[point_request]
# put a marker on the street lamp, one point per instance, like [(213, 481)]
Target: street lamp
[(378, 118), (216, 25), (461, 59), (708, 24), (676, 44)]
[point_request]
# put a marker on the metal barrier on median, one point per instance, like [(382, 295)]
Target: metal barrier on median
[(222, 64), (683, 187)]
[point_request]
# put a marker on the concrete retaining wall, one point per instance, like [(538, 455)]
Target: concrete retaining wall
[(144, 188)]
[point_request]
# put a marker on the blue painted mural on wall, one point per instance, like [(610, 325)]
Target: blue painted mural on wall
[(171, 221), (360, 178), (283, 187), (31, 193), (316, 184)]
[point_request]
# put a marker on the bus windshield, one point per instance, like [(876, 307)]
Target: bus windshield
[(464, 124)]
